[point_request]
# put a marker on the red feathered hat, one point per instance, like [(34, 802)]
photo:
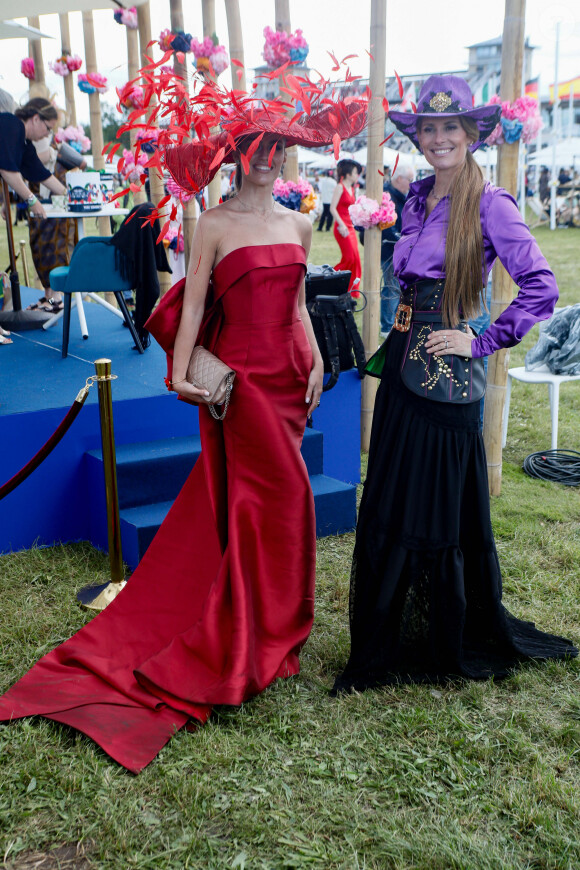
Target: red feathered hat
[(312, 117), (194, 164)]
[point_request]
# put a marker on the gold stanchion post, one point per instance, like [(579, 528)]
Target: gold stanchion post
[(97, 597)]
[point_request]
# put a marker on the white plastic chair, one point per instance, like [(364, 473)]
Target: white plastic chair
[(541, 375)]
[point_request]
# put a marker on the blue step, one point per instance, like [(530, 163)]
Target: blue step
[(334, 501), (151, 474), (155, 471)]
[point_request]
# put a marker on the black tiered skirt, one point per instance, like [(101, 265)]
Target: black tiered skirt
[(426, 590)]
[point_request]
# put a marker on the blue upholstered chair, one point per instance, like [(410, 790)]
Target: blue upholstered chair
[(92, 269)]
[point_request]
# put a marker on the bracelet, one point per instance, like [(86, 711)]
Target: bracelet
[(177, 382), (32, 200)]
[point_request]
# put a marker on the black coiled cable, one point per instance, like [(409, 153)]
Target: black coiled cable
[(559, 466)]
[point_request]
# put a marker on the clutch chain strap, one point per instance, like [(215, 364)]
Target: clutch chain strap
[(212, 410)]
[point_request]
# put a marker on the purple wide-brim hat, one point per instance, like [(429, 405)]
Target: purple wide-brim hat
[(447, 97)]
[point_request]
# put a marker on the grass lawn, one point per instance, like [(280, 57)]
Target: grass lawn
[(473, 775)]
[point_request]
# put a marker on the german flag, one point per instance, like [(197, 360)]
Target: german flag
[(531, 89)]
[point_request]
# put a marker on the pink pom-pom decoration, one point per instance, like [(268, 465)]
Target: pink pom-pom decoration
[(90, 82), (281, 47), (27, 67), (59, 66), (74, 62), (366, 212), (210, 55), (178, 192), (130, 96), (166, 40), (130, 170), (74, 136), (526, 110)]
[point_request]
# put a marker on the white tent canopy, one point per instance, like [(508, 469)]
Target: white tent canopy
[(567, 152), (30, 8), (14, 30), (327, 161)]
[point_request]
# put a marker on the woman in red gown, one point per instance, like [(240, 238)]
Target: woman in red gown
[(344, 232), (222, 601)]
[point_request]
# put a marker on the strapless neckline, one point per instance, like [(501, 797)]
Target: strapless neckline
[(245, 247)]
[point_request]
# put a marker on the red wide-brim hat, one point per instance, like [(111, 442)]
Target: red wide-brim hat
[(193, 165)]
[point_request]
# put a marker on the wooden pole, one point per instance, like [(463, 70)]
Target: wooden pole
[(189, 208), (133, 70), (95, 109), (236, 43), (512, 54), (37, 87), (282, 13), (156, 185), (69, 87), (374, 182), (208, 18)]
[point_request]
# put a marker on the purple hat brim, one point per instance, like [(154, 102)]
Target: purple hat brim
[(486, 118)]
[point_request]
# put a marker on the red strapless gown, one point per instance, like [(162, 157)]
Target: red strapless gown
[(348, 245), (223, 600)]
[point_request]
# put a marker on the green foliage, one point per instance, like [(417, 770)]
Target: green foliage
[(111, 120)]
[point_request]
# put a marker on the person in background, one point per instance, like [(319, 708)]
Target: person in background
[(344, 232), (18, 157), (544, 185), (398, 189), (326, 186)]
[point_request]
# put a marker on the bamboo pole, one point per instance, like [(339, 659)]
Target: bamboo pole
[(95, 109), (156, 186), (37, 87), (189, 208), (374, 181), (236, 43), (133, 70), (69, 88), (208, 18), (512, 54), (282, 13)]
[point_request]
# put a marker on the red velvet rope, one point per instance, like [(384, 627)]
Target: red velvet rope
[(56, 436)]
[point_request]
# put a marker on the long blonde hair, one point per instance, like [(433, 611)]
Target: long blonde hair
[(465, 273)]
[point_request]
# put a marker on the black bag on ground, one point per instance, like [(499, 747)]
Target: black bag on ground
[(331, 307)]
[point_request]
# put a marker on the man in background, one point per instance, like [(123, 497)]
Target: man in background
[(326, 185), (398, 189)]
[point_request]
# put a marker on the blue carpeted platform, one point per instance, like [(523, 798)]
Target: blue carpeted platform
[(156, 436)]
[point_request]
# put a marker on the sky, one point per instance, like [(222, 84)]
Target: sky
[(422, 36)]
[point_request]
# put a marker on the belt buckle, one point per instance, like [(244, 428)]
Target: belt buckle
[(403, 318)]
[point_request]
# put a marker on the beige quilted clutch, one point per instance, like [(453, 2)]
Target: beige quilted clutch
[(206, 372)]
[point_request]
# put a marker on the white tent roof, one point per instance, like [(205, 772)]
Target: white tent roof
[(14, 30), (327, 161), (567, 151), (30, 8)]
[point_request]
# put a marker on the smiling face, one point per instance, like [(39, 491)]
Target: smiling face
[(444, 142), (264, 169)]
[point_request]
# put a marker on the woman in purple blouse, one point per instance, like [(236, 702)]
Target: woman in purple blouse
[(426, 590)]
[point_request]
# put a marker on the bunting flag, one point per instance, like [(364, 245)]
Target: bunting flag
[(564, 90), (532, 88), (487, 92)]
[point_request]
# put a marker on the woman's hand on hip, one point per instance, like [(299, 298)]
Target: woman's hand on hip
[(343, 230), (450, 341), (314, 389)]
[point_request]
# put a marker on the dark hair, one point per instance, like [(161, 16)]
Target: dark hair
[(345, 167), (37, 106)]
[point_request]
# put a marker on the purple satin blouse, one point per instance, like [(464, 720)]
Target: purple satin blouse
[(420, 254)]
